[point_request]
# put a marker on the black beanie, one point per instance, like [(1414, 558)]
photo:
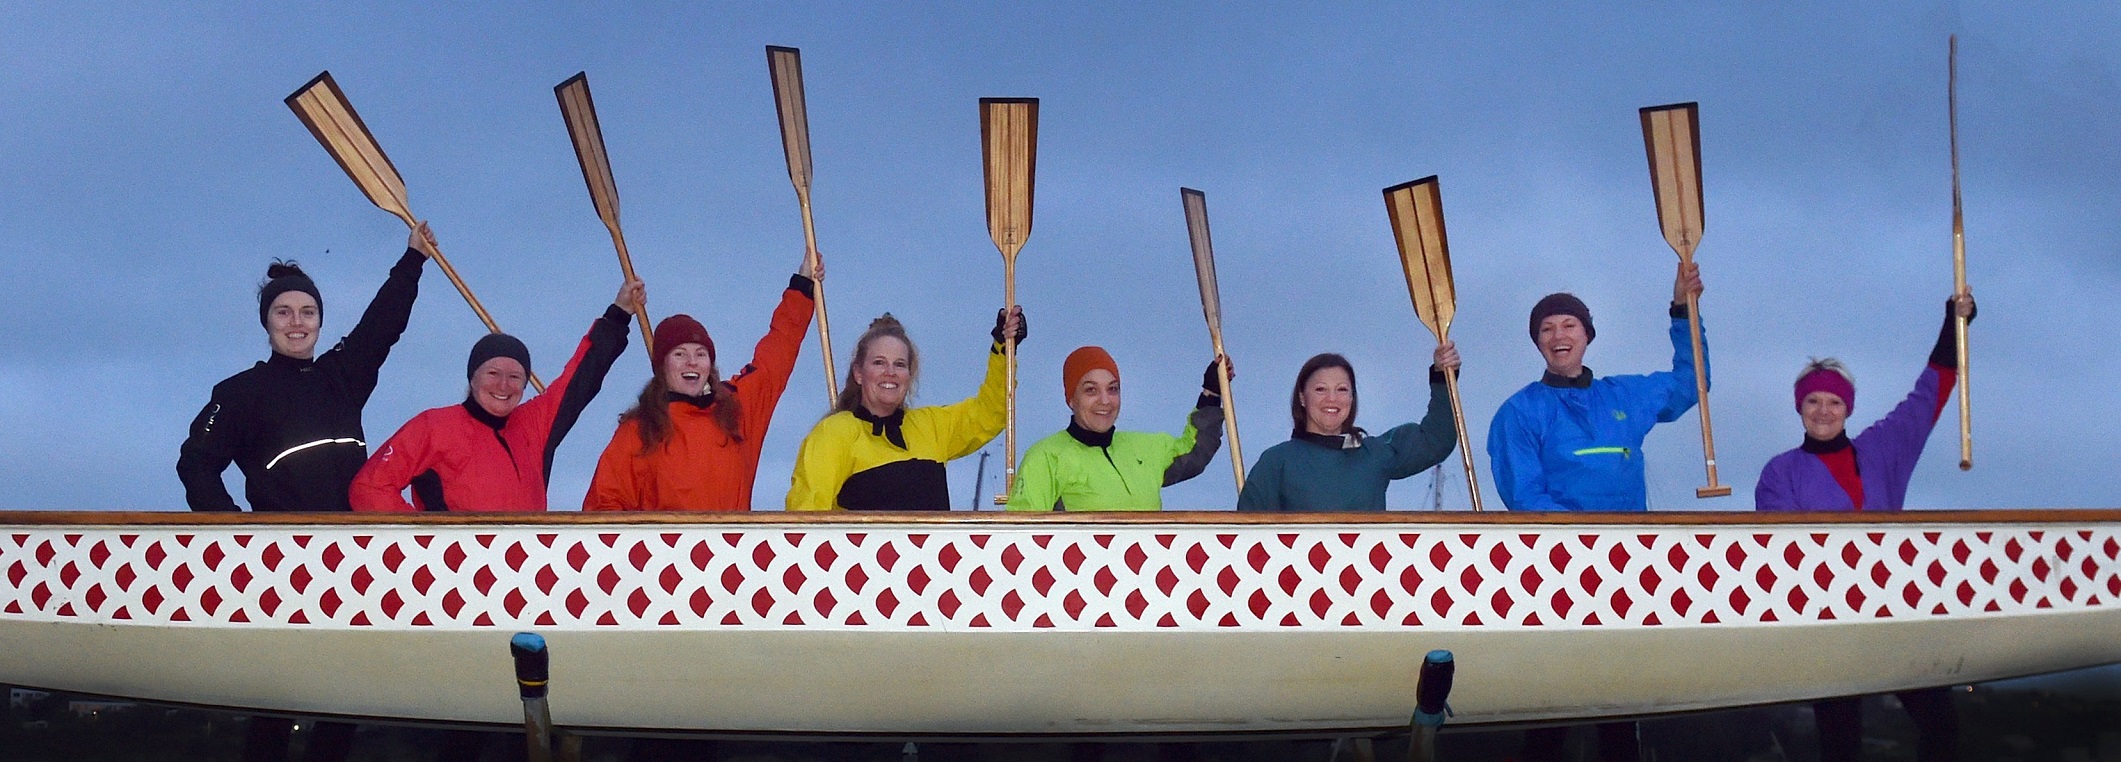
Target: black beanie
[(494, 345), (1562, 304), (294, 280)]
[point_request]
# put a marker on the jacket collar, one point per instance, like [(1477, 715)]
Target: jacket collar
[(1581, 381), (701, 401), (1816, 447), (1349, 441), (1088, 437), (279, 361), (890, 427), (479, 414)]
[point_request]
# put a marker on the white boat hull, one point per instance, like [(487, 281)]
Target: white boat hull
[(1047, 627)]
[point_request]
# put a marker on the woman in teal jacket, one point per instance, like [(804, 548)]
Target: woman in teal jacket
[(1330, 465), (1092, 466)]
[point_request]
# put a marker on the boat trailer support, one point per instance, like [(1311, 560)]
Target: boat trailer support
[(1432, 690), (533, 670)]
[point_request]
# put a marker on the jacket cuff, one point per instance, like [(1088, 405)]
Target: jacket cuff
[(1436, 375), (613, 313), (1678, 311), (411, 258), (1207, 400), (804, 285)]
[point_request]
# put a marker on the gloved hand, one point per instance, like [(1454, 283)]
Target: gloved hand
[(1002, 319)]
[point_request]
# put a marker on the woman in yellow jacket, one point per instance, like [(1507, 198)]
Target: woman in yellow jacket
[(873, 453)]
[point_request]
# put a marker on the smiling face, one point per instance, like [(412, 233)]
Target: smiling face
[(498, 386), (1561, 341), (685, 369), (1095, 401), (1825, 415), (1328, 399), (883, 375), (291, 322)]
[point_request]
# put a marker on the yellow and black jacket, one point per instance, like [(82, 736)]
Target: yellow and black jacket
[(856, 461)]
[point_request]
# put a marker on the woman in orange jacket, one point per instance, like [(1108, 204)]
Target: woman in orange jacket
[(692, 441)]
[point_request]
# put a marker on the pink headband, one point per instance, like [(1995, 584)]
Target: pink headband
[(1824, 380)]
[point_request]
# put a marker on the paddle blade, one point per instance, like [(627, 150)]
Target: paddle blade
[(1008, 131), (1416, 210), (581, 115), (1211, 300), (324, 109), (1672, 136), (785, 65)]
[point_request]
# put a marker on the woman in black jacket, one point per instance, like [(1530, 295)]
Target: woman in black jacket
[(293, 422)]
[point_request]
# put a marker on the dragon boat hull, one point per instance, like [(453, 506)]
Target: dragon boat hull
[(1062, 625)]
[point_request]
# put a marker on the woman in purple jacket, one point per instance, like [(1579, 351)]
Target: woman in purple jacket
[(1831, 472)]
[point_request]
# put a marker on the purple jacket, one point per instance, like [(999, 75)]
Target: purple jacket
[(1885, 457)]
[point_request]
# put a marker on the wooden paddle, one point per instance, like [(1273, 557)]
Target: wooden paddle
[(1008, 132), (581, 115), (323, 108), (1672, 137), (1966, 400), (1416, 210), (1211, 302), (785, 65)]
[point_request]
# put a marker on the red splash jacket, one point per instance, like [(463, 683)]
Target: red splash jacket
[(460, 458)]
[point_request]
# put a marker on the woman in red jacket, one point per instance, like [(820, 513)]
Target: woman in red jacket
[(692, 441), (493, 451)]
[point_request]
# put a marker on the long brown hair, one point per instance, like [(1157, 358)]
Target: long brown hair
[(851, 392), (651, 411), (1312, 367)]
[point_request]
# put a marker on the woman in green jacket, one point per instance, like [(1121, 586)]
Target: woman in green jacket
[(1330, 465), (1092, 466)]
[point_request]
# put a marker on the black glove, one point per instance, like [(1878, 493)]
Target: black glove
[(1208, 382), (1946, 353), (1001, 318)]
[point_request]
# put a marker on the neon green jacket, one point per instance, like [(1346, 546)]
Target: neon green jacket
[(1065, 473)]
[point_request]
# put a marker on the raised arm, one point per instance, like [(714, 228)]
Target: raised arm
[(561, 405), (1678, 392), (1418, 446), (765, 378), (973, 422), (366, 347), (1203, 433)]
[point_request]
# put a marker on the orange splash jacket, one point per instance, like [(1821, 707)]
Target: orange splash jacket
[(699, 467)]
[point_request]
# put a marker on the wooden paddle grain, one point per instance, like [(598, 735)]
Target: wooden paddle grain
[(324, 109), (1211, 303), (580, 113), (1966, 398), (1008, 130), (1671, 135), (785, 67), (1416, 212)]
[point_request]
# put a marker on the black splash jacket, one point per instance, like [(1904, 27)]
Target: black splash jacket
[(294, 426)]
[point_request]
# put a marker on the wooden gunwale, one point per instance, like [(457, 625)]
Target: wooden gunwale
[(1163, 518)]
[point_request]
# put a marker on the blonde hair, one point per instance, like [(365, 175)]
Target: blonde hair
[(851, 392)]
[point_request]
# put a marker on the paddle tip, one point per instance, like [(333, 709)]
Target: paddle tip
[(1715, 491)]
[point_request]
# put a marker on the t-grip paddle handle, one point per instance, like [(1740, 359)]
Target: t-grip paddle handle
[(533, 670), (1432, 690)]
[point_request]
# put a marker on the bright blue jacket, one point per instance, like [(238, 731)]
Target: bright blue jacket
[(1556, 448)]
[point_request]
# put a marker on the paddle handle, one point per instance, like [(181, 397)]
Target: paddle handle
[(618, 241), (465, 290), (1465, 444), (1222, 381), (1701, 395), (817, 292)]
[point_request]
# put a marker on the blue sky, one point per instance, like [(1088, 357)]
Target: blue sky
[(153, 172)]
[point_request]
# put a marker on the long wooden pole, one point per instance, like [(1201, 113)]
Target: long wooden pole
[(1416, 211), (1008, 130), (1211, 303), (1966, 399), (331, 118), (785, 66), (580, 113), (1671, 135)]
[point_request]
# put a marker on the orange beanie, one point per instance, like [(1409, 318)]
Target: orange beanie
[(1079, 363)]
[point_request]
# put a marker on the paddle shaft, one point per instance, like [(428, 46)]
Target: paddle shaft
[(1009, 361), (618, 241), (817, 291), (1966, 411), (1465, 444), (1222, 380), (465, 291), (1701, 395)]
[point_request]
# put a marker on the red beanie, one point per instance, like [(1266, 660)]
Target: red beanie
[(1826, 380), (678, 330), (1079, 363)]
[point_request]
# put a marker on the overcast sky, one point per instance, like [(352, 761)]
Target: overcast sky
[(152, 172)]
